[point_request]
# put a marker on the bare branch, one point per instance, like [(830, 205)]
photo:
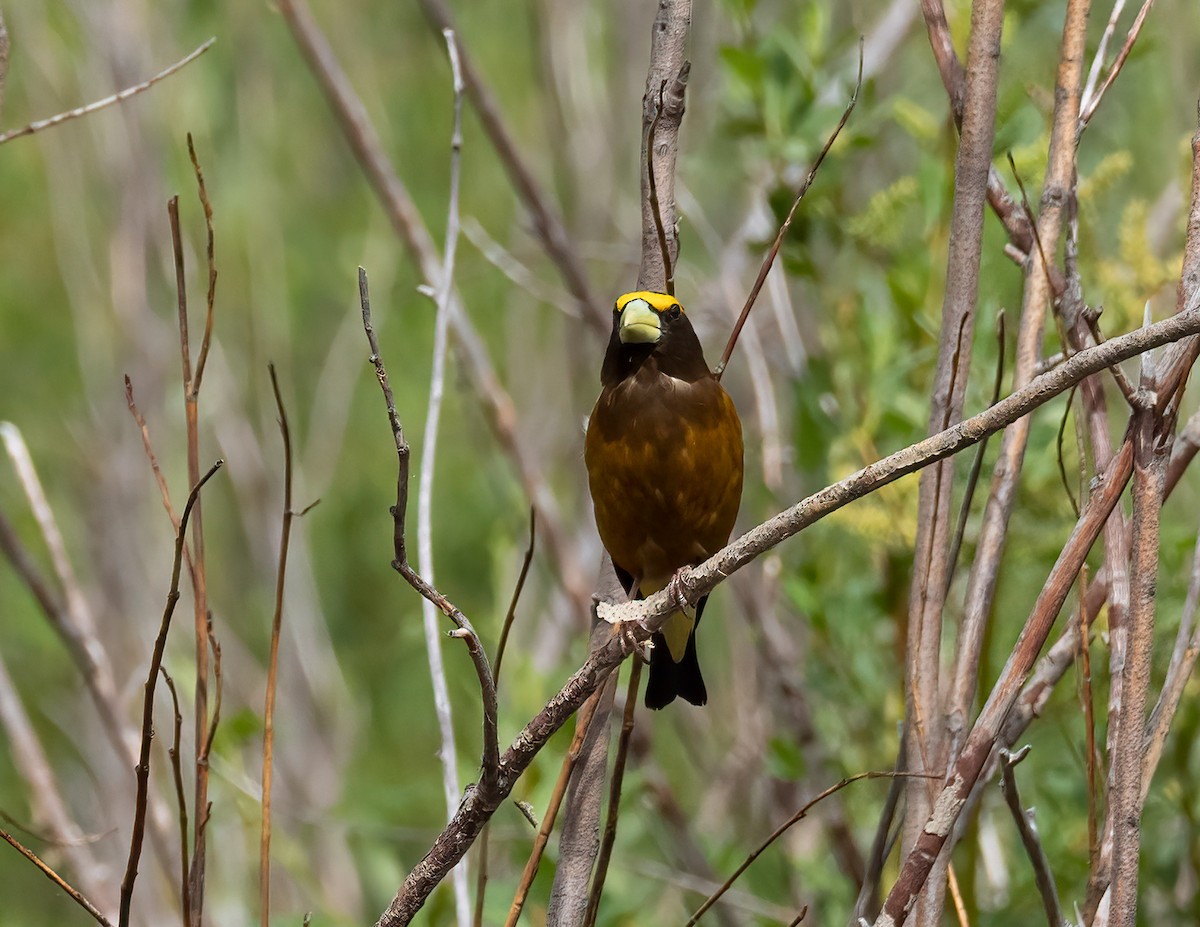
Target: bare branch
[(930, 558), (401, 565), (99, 104), (1125, 800), (210, 251)]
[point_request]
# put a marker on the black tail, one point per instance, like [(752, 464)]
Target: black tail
[(669, 679)]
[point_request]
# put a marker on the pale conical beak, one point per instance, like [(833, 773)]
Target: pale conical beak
[(639, 324)]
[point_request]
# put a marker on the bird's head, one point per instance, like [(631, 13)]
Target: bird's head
[(652, 327)]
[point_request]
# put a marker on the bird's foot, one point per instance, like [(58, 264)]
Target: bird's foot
[(626, 633), (675, 591)]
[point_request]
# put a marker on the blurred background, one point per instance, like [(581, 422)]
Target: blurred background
[(803, 651)]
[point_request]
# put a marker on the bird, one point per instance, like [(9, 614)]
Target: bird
[(663, 453)]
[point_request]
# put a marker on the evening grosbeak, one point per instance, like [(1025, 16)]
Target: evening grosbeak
[(664, 463)]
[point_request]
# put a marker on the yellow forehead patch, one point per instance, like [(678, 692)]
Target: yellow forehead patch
[(659, 302)]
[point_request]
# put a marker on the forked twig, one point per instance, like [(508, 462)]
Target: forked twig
[(54, 877), (107, 101), (160, 642), (1092, 101), (769, 260), (401, 565)]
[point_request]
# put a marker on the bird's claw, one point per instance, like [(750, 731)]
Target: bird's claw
[(675, 589), (626, 634)]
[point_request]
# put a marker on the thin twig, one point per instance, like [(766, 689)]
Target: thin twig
[(210, 252), (53, 876), (510, 615), (264, 846), (1029, 836), (787, 825), (107, 101), (437, 384), (71, 617), (964, 510), (1102, 50), (160, 642), (180, 798), (769, 260), (614, 796), (1091, 102)]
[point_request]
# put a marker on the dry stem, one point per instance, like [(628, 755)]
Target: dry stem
[(91, 107)]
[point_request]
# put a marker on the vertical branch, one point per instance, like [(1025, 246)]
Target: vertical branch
[(930, 564), (143, 768), (662, 115), (1038, 297), (437, 380), (199, 581), (1149, 463)]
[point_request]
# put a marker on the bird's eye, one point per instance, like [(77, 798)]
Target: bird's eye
[(673, 313)]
